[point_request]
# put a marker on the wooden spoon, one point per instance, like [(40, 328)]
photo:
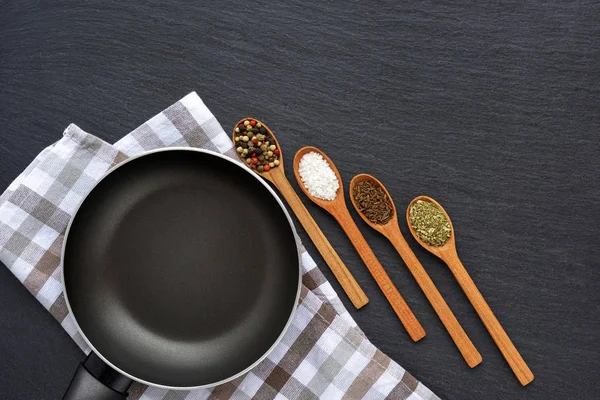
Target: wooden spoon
[(391, 231), (277, 177), (337, 208), (448, 254)]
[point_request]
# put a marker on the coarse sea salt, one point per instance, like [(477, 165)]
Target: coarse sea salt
[(318, 177)]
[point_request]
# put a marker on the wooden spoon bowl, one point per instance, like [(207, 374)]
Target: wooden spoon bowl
[(384, 229), (326, 204), (443, 252), (392, 232), (273, 172), (448, 253)]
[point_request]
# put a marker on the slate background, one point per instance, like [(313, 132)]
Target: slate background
[(492, 108)]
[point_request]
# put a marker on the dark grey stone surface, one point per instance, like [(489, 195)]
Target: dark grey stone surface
[(492, 108)]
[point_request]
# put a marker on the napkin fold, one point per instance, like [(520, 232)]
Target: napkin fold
[(323, 355)]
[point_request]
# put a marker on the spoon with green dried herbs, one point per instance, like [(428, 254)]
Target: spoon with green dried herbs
[(374, 204), (256, 145), (431, 227), (320, 181)]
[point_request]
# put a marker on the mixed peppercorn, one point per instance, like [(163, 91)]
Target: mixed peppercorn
[(256, 146)]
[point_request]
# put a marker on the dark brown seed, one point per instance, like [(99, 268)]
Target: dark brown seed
[(373, 202)]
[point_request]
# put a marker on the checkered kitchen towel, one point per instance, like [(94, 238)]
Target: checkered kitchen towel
[(323, 355)]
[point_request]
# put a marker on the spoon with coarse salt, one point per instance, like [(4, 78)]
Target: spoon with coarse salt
[(445, 248), (243, 133), (387, 225), (320, 180)]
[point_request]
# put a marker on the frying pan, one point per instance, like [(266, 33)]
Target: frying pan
[(181, 270)]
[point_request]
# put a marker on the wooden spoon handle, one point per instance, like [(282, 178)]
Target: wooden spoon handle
[(456, 331), (356, 295), (490, 321), (403, 311)]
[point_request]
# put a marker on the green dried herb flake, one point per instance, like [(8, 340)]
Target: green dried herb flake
[(430, 223)]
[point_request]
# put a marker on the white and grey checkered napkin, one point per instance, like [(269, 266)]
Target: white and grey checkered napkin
[(323, 355)]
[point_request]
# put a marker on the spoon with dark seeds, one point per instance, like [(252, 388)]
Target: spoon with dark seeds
[(428, 223), (376, 207)]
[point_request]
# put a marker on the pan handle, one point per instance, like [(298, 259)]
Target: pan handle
[(94, 380)]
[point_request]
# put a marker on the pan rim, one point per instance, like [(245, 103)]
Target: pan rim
[(296, 242)]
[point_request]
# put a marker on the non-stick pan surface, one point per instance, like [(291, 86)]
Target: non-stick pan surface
[(181, 268)]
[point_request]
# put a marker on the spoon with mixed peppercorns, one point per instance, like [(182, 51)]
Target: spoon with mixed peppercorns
[(256, 145)]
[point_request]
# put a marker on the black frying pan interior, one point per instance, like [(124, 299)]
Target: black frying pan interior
[(181, 268)]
